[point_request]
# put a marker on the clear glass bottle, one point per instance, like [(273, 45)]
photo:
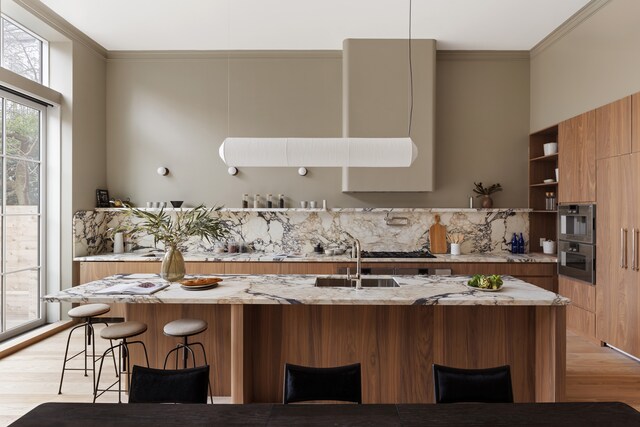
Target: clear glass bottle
[(245, 201), (269, 201), (552, 201), (256, 201), (281, 201)]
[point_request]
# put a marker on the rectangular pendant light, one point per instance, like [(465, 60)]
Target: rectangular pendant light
[(318, 152)]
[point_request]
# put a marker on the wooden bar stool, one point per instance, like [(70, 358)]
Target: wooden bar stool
[(120, 331), (87, 313), (185, 328)]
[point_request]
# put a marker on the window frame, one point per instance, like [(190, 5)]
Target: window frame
[(42, 213), (44, 50)]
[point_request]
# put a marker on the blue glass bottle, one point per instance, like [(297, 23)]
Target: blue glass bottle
[(521, 244), (514, 244)]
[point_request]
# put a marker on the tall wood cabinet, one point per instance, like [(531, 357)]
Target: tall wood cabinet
[(577, 159), (635, 123), (617, 271), (613, 123)]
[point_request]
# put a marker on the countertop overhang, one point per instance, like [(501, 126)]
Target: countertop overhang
[(300, 289)]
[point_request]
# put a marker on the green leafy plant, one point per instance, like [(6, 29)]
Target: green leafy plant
[(175, 229), (481, 191)]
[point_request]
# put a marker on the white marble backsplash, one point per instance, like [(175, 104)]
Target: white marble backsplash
[(298, 231)]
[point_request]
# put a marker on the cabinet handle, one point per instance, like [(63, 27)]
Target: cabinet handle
[(623, 248), (633, 249)]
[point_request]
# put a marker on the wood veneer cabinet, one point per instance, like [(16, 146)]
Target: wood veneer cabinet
[(635, 122), (581, 313), (613, 128), (577, 159), (617, 275)]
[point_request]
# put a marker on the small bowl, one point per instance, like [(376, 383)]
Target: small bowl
[(176, 203), (548, 181)]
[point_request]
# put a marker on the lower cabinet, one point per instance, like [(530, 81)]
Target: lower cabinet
[(581, 313)]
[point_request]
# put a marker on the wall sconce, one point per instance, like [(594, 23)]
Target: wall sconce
[(233, 171), (162, 171), (302, 171)]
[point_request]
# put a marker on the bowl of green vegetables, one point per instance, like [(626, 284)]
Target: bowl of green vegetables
[(491, 283)]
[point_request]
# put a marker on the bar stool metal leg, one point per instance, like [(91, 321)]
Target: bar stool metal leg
[(86, 313), (121, 332)]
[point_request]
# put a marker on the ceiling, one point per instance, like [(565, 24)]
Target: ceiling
[(312, 24)]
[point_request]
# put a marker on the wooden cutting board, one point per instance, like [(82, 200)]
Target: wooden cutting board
[(438, 237)]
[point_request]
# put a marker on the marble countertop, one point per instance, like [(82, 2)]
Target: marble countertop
[(300, 289), (271, 257)]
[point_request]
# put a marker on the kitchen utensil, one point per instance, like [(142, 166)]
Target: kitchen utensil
[(176, 203), (303, 204), (455, 249), (437, 237), (313, 204)]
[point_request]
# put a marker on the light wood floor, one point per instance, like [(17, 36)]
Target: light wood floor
[(31, 376)]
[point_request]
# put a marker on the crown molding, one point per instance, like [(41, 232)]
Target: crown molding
[(567, 26), (204, 55), (48, 16), (482, 55)]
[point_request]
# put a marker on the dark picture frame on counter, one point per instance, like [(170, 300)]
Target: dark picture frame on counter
[(102, 199)]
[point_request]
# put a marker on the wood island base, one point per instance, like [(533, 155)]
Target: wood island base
[(248, 344)]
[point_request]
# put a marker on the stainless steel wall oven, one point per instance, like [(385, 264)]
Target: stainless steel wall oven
[(577, 238)]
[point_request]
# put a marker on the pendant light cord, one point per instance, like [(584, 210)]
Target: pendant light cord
[(410, 74)]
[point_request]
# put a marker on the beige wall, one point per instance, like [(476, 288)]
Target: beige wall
[(89, 126), (171, 110), (595, 63)]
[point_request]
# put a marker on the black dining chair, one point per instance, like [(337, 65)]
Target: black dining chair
[(149, 385), (304, 383), (454, 385)]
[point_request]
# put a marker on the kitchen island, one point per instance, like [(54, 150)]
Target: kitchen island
[(395, 333)]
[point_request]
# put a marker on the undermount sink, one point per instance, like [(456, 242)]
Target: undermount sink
[(369, 282)]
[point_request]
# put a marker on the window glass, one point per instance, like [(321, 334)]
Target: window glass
[(22, 52)]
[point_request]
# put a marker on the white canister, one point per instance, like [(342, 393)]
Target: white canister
[(455, 249), (549, 247), (550, 148), (118, 243)]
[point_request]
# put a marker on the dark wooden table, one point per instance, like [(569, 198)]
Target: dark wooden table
[(139, 415)]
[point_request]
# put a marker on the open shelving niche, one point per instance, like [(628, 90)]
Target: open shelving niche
[(543, 223)]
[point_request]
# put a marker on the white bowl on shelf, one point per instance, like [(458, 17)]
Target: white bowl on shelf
[(548, 181)]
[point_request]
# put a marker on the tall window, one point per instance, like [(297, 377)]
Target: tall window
[(21, 219), (23, 52)]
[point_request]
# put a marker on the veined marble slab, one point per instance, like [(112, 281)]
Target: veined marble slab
[(298, 231), (300, 289), (270, 257)]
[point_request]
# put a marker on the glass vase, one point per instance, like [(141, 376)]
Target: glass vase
[(172, 268)]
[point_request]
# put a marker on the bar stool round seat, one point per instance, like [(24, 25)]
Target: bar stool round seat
[(88, 310), (88, 314), (123, 330), (184, 327)]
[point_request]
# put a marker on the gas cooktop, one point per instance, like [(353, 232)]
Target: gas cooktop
[(393, 254)]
